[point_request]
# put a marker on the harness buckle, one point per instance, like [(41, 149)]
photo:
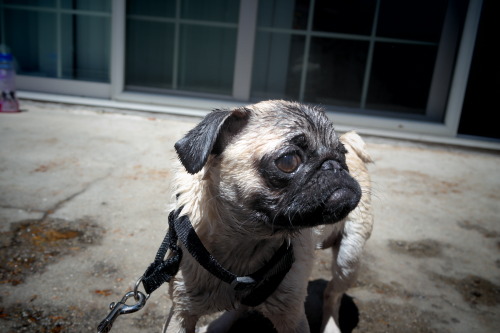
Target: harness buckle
[(243, 283)]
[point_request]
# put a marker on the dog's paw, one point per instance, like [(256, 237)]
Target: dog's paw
[(203, 329), (331, 327)]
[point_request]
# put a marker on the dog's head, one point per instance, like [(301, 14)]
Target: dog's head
[(276, 164)]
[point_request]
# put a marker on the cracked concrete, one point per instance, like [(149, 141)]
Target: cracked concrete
[(84, 194)]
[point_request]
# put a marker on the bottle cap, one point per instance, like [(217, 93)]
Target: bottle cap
[(6, 57)]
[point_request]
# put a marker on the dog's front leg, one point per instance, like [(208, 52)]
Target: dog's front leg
[(180, 322), (345, 266), (224, 322), (331, 307), (290, 323)]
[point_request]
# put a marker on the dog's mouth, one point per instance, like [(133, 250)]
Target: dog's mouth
[(333, 208), (340, 203)]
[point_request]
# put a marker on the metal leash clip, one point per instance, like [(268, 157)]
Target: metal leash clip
[(122, 308)]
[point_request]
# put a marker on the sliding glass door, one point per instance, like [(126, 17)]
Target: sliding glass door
[(398, 64), (186, 45), (380, 57), (64, 39)]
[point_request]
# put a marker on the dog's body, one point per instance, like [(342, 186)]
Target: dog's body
[(257, 177)]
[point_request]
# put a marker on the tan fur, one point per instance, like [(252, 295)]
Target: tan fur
[(347, 239), (195, 292)]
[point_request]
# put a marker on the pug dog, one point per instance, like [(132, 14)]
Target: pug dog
[(263, 187)]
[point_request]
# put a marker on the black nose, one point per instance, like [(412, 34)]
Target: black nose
[(331, 165)]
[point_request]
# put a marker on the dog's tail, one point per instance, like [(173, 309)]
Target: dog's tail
[(356, 143)]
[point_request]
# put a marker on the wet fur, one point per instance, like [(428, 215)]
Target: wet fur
[(216, 188)]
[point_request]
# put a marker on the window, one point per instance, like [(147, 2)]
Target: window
[(377, 57), (66, 39), (381, 64), (184, 45)]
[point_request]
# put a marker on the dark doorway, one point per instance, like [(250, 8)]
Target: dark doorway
[(479, 112)]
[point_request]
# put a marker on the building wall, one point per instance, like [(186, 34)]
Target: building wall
[(382, 64)]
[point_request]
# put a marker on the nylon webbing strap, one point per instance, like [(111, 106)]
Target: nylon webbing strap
[(161, 271), (195, 247), (270, 276), (256, 286), (260, 284)]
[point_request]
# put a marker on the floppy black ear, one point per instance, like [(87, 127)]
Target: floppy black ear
[(209, 137)]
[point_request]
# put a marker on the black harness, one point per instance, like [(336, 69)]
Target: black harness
[(254, 288)]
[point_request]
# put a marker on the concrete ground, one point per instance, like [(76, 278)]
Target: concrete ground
[(83, 207)]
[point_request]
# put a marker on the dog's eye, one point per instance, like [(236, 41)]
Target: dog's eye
[(288, 163)]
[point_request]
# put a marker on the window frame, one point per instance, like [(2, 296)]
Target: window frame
[(199, 104), (56, 84)]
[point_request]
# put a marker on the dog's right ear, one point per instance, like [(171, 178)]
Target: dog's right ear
[(210, 136)]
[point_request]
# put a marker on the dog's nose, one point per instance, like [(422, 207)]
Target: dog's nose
[(331, 165)]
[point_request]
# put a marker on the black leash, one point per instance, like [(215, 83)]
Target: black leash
[(255, 287), (160, 270)]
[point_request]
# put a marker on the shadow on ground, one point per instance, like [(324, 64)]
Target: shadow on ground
[(349, 315)]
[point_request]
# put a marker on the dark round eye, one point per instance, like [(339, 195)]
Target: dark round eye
[(288, 163)]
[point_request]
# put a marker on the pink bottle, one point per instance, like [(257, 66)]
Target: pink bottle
[(8, 100)]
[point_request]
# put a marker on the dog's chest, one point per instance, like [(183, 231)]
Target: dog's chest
[(196, 287)]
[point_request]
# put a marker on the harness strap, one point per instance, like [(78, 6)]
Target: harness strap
[(256, 286), (161, 271)]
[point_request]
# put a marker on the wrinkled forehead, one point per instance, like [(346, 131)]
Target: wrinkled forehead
[(284, 123)]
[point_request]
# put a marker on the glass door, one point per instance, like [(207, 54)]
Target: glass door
[(184, 45), (377, 57), (64, 39), (378, 64)]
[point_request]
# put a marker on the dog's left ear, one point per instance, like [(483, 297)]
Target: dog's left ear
[(210, 136)]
